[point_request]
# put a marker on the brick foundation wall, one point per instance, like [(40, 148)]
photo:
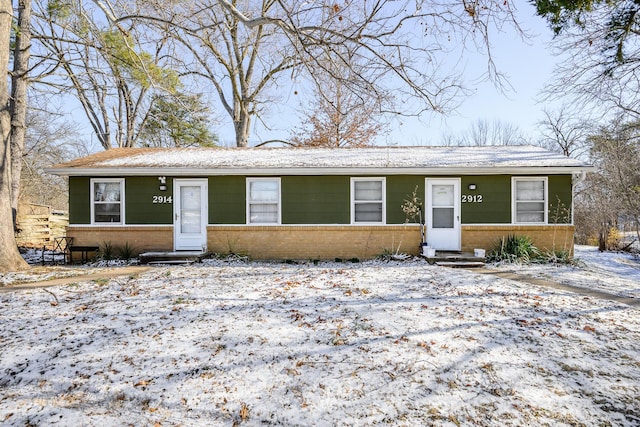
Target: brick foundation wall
[(545, 237), (317, 242), (142, 239), (313, 242)]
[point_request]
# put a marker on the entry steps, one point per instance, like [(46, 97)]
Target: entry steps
[(178, 257), (456, 259)]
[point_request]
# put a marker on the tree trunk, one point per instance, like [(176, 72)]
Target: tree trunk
[(10, 258), (242, 126), (18, 102)]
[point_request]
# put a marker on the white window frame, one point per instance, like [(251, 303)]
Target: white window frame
[(250, 202), (355, 202), (94, 181), (514, 202)]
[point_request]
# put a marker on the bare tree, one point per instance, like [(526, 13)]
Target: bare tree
[(10, 258), (18, 101), (338, 117), (484, 132), (613, 192), (563, 132), (599, 41), (245, 48), (50, 139), (105, 67)]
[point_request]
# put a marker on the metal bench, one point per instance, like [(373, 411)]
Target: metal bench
[(84, 251), (60, 247)]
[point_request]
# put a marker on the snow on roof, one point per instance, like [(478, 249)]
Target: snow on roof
[(289, 159)]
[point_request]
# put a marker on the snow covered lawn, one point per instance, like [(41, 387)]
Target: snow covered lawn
[(615, 273), (328, 344)]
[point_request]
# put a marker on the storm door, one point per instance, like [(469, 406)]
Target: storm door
[(190, 214), (443, 214)]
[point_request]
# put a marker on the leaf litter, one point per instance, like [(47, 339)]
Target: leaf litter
[(401, 343)]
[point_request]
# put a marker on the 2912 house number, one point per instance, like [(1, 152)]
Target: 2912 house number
[(162, 199), (472, 198)]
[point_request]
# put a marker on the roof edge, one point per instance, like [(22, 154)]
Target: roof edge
[(150, 171)]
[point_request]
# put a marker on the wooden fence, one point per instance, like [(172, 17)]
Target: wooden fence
[(38, 225)]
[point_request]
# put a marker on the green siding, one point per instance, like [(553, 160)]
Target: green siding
[(79, 200), (495, 207), (227, 203), (560, 199), (399, 189), (315, 199), (139, 201), (319, 199)]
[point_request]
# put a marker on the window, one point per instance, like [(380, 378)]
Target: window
[(263, 200), (530, 200), (367, 196), (107, 201)]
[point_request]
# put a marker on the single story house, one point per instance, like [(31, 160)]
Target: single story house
[(321, 203)]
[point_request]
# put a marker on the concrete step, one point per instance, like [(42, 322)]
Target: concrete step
[(456, 259), (178, 257), (460, 264)]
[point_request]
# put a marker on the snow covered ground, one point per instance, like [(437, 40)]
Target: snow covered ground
[(616, 273), (401, 343)]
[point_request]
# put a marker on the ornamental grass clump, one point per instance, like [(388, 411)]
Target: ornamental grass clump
[(514, 248)]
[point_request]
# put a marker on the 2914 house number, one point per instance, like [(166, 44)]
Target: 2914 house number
[(472, 198), (162, 199)]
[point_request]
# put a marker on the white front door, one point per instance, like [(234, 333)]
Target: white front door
[(190, 214), (443, 214)]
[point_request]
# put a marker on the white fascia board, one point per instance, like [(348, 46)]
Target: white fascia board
[(151, 171)]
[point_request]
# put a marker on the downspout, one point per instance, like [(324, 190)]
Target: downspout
[(577, 179)]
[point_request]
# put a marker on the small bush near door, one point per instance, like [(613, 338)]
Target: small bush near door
[(514, 248)]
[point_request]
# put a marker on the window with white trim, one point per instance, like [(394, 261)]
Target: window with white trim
[(529, 200), (107, 201), (263, 200), (368, 200)]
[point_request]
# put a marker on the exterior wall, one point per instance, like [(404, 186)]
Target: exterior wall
[(399, 189), (318, 199), (139, 207), (545, 237), (313, 242), (79, 200), (316, 216), (495, 207), (497, 204), (315, 199), (227, 200), (560, 199), (318, 242), (141, 238)]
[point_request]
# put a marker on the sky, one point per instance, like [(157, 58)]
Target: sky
[(528, 64)]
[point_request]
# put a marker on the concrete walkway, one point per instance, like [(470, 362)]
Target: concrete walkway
[(634, 302), (132, 270)]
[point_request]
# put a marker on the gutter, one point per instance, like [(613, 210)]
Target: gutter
[(352, 171)]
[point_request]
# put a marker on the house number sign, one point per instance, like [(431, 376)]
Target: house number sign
[(162, 199), (472, 198)]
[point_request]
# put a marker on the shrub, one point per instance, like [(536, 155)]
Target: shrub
[(107, 251), (514, 249), (559, 256), (614, 237), (126, 252)]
